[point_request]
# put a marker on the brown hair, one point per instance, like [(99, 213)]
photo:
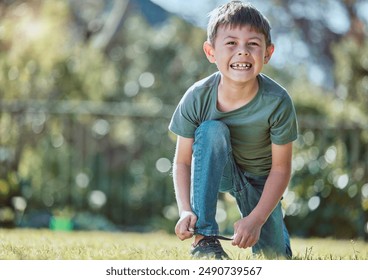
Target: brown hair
[(237, 13)]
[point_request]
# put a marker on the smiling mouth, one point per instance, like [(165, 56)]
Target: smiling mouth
[(241, 66)]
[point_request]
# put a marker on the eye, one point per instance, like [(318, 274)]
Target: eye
[(253, 44), (231, 43)]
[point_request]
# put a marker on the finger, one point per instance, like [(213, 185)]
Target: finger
[(184, 236), (183, 232), (192, 223), (245, 243), (250, 242), (240, 240), (236, 239), (235, 236), (179, 231)]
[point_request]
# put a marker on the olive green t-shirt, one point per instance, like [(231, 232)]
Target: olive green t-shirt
[(268, 118)]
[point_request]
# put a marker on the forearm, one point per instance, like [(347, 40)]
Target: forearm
[(181, 174), (274, 188)]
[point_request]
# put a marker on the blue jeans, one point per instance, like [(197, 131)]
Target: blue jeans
[(214, 170)]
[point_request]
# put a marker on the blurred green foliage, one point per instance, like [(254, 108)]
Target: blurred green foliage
[(84, 130)]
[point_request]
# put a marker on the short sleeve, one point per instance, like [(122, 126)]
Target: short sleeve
[(184, 121), (284, 127)]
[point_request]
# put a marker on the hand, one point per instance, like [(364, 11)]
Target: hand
[(246, 232), (184, 228)]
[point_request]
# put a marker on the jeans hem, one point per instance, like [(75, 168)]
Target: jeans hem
[(206, 233)]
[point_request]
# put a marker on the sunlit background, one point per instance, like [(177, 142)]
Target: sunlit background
[(87, 89)]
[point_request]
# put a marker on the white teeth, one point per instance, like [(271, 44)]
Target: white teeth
[(241, 65)]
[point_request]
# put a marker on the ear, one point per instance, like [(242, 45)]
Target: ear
[(209, 51), (269, 51)]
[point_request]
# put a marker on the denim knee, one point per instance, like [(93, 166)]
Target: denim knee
[(214, 132)]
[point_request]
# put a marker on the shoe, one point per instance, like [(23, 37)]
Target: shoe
[(209, 247)]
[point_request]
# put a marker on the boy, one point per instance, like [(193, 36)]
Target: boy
[(235, 130)]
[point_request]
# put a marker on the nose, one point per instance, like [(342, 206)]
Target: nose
[(243, 52)]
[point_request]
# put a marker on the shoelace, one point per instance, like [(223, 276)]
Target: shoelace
[(224, 237), (214, 239)]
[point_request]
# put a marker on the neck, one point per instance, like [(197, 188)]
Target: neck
[(232, 96)]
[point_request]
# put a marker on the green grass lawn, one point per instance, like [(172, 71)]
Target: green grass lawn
[(29, 244)]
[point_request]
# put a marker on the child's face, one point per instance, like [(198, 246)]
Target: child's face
[(239, 53)]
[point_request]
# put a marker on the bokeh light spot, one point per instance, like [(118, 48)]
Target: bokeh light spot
[(97, 199), (342, 181), (331, 154), (82, 180), (163, 165), (314, 202), (365, 191), (146, 79)]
